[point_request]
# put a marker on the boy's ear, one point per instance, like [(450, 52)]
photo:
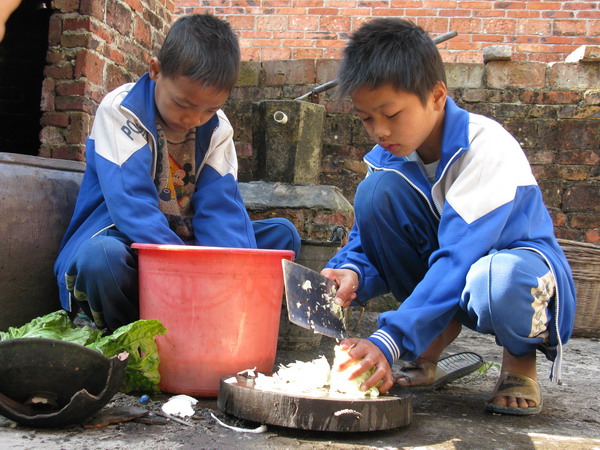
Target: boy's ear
[(154, 68), (440, 92)]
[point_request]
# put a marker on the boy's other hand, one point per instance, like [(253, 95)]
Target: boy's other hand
[(347, 282), (367, 355)]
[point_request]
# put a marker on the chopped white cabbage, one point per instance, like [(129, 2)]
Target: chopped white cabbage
[(316, 378), (341, 386), (298, 377)]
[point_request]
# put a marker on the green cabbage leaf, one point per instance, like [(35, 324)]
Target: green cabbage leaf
[(137, 339)]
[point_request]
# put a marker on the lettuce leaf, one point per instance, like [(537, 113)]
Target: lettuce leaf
[(56, 325), (137, 339)]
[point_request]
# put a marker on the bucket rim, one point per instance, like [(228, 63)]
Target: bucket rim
[(209, 250)]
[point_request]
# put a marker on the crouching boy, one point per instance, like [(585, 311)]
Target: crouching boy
[(450, 220)]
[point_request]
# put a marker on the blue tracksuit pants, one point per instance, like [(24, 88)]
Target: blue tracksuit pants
[(103, 276), (506, 292)]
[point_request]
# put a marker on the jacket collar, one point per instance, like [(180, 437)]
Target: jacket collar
[(140, 101), (455, 136)]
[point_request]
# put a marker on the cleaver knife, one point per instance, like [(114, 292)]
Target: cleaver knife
[(310, 301)]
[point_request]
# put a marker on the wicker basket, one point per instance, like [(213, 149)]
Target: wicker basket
[(584, 260)]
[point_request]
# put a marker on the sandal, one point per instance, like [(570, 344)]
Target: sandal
[(447, 370), (515, 385)]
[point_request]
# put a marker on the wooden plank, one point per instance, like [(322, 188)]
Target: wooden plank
[(237, 396)]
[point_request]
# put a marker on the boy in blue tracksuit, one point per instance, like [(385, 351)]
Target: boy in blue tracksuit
[(451, 221), (161, 169)]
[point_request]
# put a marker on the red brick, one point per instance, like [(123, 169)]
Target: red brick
[(551, 97), (592, 236), (585, 221), (439, 4), (55, 29), (358, 11), (336, 23), (47, 100), (510, 5), (528, 26), (250, 53), (59, 71), (523, 14), (79, 129), (92, 8), (501, 26), (119, 17), (544, 5), (54, 119), (333, 53), (556, 15), (242, 22), (288, 72), (402, 4), (487, 13), (89, 65), (501, 74), (271, 23), (52, 136), (78, 87), (135, 5), (66, 5), (75, 104), (582, 197), (476, 5), (323, 11), (275, 54), (569, 27), (578, 6)]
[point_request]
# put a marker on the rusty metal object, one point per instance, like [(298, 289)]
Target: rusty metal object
[(51, 383)]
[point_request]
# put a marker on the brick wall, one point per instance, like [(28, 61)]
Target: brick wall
[(553, 111), (94, 46), (545, 31)]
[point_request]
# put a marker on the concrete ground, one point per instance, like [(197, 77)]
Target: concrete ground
[(453, 418)]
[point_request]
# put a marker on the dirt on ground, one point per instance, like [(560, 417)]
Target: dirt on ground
[(451, 418)]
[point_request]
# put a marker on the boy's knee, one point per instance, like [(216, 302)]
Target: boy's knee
[(278, 234), (289, 233), (99, 254), (499, 292)]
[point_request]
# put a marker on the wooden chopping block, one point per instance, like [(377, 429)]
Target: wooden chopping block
[(239, 397)]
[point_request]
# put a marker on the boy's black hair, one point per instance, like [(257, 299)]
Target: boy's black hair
[(391, 51), (204, 48)]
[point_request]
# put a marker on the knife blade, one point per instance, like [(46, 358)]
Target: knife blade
[(310, 301)]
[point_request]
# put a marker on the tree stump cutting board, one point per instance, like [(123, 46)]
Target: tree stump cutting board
[(239, 397)]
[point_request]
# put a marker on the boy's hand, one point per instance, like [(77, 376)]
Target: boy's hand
[(347, 282), (368, 355)]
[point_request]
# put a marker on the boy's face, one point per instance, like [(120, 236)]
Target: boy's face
[(399, 122), (183, 103)]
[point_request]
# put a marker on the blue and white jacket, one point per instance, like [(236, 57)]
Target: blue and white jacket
[(485, 198), (118, 188)]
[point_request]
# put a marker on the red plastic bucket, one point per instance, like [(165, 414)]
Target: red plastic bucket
[(221, 309)]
